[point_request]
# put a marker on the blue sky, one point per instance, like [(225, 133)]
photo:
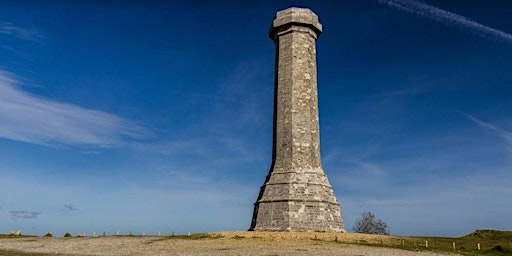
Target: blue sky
[(149, 116)]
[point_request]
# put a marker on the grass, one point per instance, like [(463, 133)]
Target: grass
[(12, 253), (13, 236), (196, 236), (492, 242), (8, 253)]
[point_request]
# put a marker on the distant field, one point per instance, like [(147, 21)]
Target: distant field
[(261, 243)]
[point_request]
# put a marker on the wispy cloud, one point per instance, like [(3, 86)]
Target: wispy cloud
[(8, 28), (24, 214), (217, 134), (71, 207), (32, 119), (351, 174), (448, 18), (505, 135)]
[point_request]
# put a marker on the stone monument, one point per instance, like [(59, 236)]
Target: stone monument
[(296, 195)]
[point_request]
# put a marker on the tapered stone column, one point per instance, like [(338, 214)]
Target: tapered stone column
[(296, 195)]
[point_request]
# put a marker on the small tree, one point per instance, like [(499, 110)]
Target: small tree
[(369, 225)]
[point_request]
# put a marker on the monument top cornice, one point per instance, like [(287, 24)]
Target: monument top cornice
[(295, 16)]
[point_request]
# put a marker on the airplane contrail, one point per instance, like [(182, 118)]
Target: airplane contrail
[(448, 18)]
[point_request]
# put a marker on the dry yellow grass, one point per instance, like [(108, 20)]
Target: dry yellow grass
[(352, 238)]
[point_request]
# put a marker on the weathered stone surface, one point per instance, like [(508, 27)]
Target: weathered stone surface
[(296, 195)]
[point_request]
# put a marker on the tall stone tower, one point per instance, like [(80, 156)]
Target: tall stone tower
[(296, 195)]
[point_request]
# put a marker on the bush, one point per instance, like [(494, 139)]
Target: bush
[(67, 234), (48, 234), (367, 224)]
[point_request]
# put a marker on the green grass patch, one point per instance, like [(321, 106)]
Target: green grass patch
[(195, 236), (15, 236), (14, 253), (492, 243)]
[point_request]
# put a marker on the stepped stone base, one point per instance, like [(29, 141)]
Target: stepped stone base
[(299, 216), (297, 201)]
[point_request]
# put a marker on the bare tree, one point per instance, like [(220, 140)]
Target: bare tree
[(369, 225)]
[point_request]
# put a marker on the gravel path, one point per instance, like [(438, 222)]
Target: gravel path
[(153, 246)]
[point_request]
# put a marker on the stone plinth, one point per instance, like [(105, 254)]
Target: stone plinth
[(296, 195)]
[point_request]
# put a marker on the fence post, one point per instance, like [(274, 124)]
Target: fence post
[(453, 245), (478, 245), (426, 244)]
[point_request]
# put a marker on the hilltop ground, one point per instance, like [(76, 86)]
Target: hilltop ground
[(255, 243)]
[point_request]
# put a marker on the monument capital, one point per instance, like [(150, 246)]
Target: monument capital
[(302, 17)]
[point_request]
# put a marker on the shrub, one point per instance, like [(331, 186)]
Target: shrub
[(369, 225)]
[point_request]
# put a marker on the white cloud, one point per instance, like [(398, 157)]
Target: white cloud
[(505, 135), (32, 119), (448, 18), (7, 28)]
